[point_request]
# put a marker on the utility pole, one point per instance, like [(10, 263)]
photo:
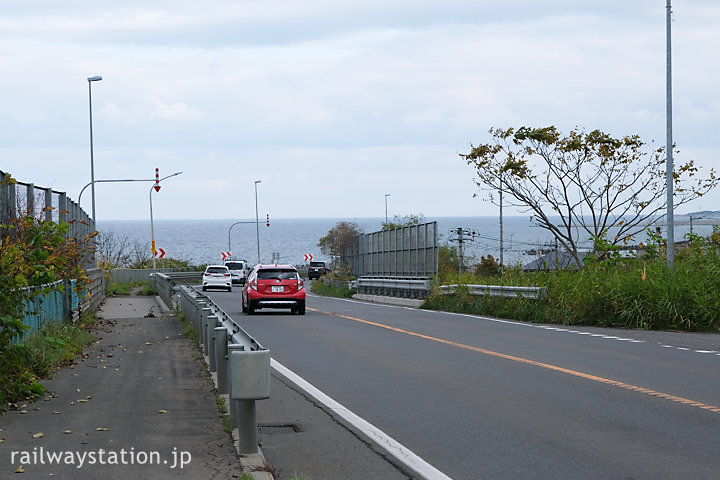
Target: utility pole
[(669, 148), (501, 225), (462, 235), (461, 260)]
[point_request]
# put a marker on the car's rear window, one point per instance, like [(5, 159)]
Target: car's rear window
[(317, 264), (277, 274), (217, 270), (234, 265)]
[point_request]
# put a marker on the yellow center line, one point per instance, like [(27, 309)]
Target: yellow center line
[(587, 376)]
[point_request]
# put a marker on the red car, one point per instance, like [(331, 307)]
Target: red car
[(274, 286)]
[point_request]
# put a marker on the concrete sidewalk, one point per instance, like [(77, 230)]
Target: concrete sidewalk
[(137, 404), (140, 404)]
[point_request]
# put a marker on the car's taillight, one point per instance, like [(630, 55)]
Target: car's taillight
[(226, 274), (253, 285), (301, 285), (207, 274)]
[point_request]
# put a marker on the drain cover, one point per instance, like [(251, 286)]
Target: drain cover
[(277, 429)]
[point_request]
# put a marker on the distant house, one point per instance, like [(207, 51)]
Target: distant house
[(560, 260)]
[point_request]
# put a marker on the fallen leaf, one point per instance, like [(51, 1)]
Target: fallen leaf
[(23, 412), (55, 412), (78, 390), (101, 429), (38, 435), (67, 432), (148, 343), (2, 440), (82, 400), (162, 411), (20, 470)]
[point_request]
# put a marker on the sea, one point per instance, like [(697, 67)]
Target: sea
[(293, 240)]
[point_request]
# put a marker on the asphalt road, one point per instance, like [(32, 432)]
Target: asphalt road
[(482, 398)]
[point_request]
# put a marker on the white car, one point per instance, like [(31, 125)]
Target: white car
[(238, 270), (217, 276)]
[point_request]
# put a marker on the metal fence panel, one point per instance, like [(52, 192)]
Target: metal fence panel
[(402, 252)]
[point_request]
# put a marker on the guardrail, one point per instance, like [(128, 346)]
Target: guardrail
[(121, 275), (499, 291), (404, 287), (241, 364), (165, 282), (419, 287)]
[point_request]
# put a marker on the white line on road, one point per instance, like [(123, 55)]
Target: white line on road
[(392, 446)]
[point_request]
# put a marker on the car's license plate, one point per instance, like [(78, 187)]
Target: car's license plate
[(278, 289)]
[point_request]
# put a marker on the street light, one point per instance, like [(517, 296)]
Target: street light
[(386, 217), (152, 226), (257, 220), (96, 78)]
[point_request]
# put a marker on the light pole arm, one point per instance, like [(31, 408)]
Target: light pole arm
[(119, 180), (231, 226)]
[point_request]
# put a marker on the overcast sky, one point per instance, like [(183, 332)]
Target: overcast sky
[(333, 103)]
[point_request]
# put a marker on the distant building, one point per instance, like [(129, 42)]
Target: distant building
[(559, 260)]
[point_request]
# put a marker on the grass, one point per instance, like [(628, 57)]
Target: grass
[(619, 292), (128, 288), (39, 356), (321, 287)]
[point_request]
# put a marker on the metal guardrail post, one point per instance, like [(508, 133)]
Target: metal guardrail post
[(232, 407), (207, 320), (249, 374), (247, 426), (202, 313), (221, 358), (211, 344)]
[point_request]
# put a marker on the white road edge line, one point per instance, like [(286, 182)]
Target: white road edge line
[(392, 446)]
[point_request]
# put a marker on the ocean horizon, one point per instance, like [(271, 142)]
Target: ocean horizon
[(202, 241)]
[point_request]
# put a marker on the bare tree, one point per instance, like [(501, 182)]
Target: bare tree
[(591, 181)]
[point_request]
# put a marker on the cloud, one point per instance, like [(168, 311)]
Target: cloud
[(176, 111)]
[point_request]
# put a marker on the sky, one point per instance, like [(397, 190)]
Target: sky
[(332, 104)]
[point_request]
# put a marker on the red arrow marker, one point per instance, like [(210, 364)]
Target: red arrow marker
[(162, 252)]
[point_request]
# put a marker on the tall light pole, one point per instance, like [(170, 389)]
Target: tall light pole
[(96, 78), (257, 221), (669, 147), (386, 217), (156, 187)]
